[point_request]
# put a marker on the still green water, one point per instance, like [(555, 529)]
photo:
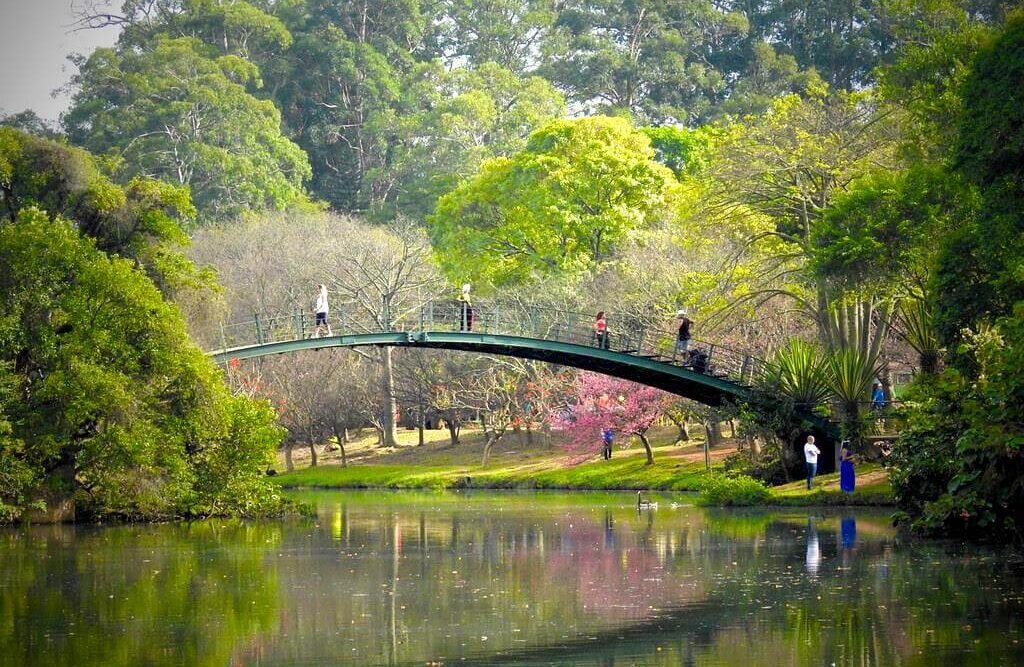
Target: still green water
[(386, 578)]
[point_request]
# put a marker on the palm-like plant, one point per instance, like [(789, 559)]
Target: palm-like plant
[(798, 371), (916, 326)]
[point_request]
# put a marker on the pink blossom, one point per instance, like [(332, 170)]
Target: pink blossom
[(598, 402)]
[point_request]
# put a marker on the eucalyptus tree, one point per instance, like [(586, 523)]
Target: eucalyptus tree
[(462, 117), (179, 112), (510, 33)]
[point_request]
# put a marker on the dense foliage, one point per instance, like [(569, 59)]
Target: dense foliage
[(958, 467), (104, 399), (846, 175), (578, 189), (176, 112)]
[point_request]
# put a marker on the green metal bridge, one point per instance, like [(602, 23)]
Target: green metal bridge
[(633, 350)]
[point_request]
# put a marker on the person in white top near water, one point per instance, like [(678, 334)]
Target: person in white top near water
[(322, 311), (811, 452)]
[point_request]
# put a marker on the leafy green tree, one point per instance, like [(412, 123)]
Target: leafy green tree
[(937, 42), (344, 86), (957, 467), (880, 235), (687, 152), (642, 57), (507, 32), (117, 408), (141, 220), (980, 275), (466, 116), (17, 478), (579, 188), (178, 112)]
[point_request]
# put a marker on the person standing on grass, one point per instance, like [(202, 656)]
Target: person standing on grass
[(607, 437), (811, 452), (847, 479), (322, 309)]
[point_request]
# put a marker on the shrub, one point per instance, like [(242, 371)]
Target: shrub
[(768, 467), (738, 490)]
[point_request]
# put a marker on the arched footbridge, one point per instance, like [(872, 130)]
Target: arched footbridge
[(712, 374)]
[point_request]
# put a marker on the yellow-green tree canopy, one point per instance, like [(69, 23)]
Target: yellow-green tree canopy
[(578, 189)]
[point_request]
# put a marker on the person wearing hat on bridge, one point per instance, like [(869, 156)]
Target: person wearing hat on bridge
[(683, 337)]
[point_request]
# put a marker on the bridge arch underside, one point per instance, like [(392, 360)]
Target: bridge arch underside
[(706, 389)]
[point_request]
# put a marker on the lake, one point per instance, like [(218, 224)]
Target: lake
[(482, 578)]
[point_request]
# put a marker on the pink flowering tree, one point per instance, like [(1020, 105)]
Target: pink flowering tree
[(597, 402)]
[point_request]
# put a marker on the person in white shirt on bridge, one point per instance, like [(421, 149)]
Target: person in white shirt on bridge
[(322, 310), (811, 452)]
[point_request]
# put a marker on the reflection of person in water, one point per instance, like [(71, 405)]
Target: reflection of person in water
[(813, 549), (609, 529), (848, 532)]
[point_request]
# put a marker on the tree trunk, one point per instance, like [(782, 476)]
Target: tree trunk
[(421, 421), (312, 450), (647, 448), (684, 434), (453, 431), (289, 465), (713, 431), (341, 435), (886, 377), (492, 439), (390, 437)]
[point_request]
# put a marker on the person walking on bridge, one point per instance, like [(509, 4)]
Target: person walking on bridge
[(601, 331), (322, 310), (811, 452), (465, 309), (683, 337)]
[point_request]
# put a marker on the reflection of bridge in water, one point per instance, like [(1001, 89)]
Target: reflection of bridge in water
[(633, 350)]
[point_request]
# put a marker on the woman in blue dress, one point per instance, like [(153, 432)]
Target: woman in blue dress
[(846, 475)]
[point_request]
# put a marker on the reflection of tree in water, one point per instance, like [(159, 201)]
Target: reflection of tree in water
[(376, 583), (186, 594)]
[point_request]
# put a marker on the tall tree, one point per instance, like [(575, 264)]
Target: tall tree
[(638, 57), (177, 112), (509, 33), (577, 190), (463, 117), (342, 83)]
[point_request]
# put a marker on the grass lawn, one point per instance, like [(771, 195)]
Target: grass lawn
[(519, 462), (872, 489)]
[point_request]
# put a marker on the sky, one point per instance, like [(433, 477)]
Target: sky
[(35, 40)]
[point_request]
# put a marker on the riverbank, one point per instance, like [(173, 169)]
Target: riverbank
[(522, 463), (873, 489)]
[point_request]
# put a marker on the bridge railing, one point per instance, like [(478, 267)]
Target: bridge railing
[(628, 335)]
